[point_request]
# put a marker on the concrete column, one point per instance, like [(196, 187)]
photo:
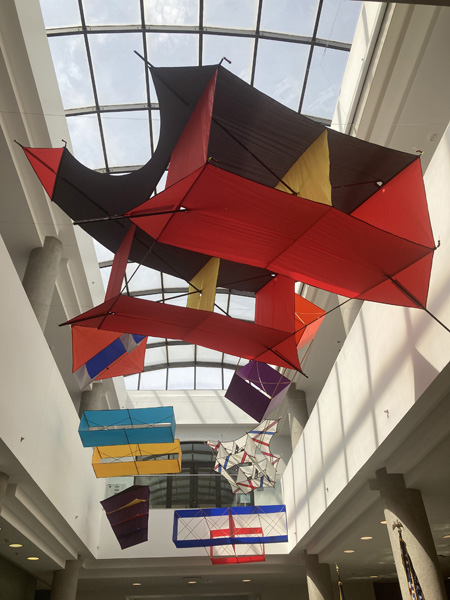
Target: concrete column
[(406, 505), (349, 312), (93, 399), (297, 413), (3, 485), (65, 582), (318, 578), (40, 277)]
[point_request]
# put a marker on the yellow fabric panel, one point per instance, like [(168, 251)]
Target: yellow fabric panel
[(136, 501), (123, 459), (206, 282), (309, 176)]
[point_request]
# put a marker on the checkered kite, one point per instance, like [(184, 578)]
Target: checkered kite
[(248, 458)]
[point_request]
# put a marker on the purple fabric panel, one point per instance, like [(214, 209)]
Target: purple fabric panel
[(246, 397), (125, 514), (137, 537), (122, 498), (129, 527), (265, 377)]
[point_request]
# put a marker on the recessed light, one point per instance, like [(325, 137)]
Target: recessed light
[(15, 545), (373, 576), (348, 551), (192, 581), (367, 537), (32, 557), (246, 580), (446, 536), (136, 583), (383, 522)]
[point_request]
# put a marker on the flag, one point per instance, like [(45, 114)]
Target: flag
[(415, 591)]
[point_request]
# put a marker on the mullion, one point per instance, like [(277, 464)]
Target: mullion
[(311, 50), (256, 40), (147, 77), (200, 33), (94, 87)]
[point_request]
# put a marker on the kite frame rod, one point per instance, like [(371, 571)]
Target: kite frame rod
[(119, 217)]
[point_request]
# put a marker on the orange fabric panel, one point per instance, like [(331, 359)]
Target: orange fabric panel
[(123, 459), (87, 342), (308, 319)]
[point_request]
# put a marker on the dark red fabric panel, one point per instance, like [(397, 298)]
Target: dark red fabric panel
[(275, 304), (128, 364), (45, 162), (218, 332), (190, 153), (243, 221), (87, 342), (115, 282), (400, 207)]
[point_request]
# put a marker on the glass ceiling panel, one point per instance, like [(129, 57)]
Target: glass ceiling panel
[(114, 12), (239, 50), (181, 353), (338, 20), (153, 380), (119, 73), (280, 69), (60, 14), (242, 307), (171, 12), (207, 355), (103, 254), (127, 138), (142, 278), (289, 16), (208, 378), (155, 356), (72, 70), (181, 378), (324, 82), (86, 140), (172, 50), (230, 13)]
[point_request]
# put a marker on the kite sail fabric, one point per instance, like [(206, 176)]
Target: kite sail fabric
[(127, 513), (257, 389), (104, 354), (347, 215), (137, 459), (192, 527), (127, 426), (237, 553), (248, 458)]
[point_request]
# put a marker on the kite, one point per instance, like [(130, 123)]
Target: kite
[(127, 426), (137, 459), (127, 513), (262, 188), (284, 320), (244, 528), (249, 458), (257, 389)]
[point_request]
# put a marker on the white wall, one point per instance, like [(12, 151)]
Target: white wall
[(389, 359)]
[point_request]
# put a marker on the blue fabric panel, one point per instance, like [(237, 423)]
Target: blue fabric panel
[(105, 357), (125, 418)]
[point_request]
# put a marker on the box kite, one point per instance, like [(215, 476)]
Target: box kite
[(257, 389), (247, 463), (127, 513), (264, 189), (127, 426), (133, 460), (244, 529)]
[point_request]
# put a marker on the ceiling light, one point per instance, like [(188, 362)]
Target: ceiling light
[(246, 580), (373, 576), (15, 545), (383, 522), (32, 557), (367, 537), (446, 536), (348, 551), (192, 581), (136, 583)]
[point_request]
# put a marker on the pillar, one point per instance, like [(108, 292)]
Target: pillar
[(65, 581), (297, 413), (40, 277), (3, 485), (406, 505), (318, 578), (93, 399)]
